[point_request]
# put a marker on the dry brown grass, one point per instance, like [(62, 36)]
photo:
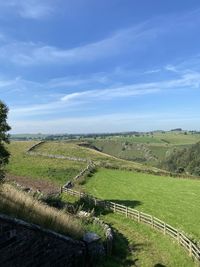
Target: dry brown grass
[(21, 205)]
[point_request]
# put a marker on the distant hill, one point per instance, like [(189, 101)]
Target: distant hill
[(184, 160)]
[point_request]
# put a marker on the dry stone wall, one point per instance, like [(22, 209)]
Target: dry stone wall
[(24, 244)]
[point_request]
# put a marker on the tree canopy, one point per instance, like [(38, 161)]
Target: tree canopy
[(184, 160), (4, 137)]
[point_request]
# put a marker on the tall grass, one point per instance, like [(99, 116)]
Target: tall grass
[(21, 205)]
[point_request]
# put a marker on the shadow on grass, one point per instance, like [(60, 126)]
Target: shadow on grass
[(123, 252), (87, 204), (159, 265), (100, 209), (127, 203)]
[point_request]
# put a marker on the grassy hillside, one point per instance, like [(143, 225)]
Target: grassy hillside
[(184, 160), (73, 149), (176, 138), (138, 245), (150, 149), (175, 201), (56, 170)]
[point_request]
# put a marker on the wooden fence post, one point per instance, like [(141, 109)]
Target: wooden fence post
[(126, 212), (190, 249), (152, 221), (138, 216), (114, 207), (178, 237), (164, 230)]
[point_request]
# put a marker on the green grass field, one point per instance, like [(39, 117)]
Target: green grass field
[(176, 201), (173, 200), (149, 149), (74, 150), (55, 170), (176, 138), (138, 245)]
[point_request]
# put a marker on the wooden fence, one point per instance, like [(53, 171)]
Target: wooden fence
[(166, 229)]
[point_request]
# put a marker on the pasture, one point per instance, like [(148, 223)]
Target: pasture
[(58, 171), (138, 245), (73, 149), (149, 149), (175, 201)]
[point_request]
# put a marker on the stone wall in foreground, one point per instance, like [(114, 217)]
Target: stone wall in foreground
[(24, 244)]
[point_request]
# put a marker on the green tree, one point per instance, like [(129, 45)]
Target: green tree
[(4, 138)]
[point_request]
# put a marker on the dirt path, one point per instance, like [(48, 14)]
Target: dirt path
[(44, 186)]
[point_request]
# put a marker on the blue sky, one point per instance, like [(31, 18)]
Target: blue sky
[(100, 66)]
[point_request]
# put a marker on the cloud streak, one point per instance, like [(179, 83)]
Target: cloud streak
[(122, 42), (31, 9), (81, 99), (29, 53)]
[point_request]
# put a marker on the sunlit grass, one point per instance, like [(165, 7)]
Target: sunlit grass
[(58, 171), (21, 205), (176, 201)]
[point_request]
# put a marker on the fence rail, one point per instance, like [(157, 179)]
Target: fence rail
[(192, 249)]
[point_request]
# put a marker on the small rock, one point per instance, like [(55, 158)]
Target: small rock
[(91, 237), (68, 184), (84, 214)]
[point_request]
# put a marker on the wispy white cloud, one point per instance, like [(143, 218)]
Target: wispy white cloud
[(171, 68), (151, 71), (128, 40), (81, 99), (78, 100), (33, 9), (66, 82), (106, 94), (29, 53)]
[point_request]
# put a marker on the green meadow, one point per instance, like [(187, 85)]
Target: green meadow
[(58, 171), (149, 149), (139, 245), (173, 200)]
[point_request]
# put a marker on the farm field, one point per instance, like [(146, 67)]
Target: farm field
[(58, 171), (149, 149), (176, 138), (73, 149), (138, 245), (175, 201)]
